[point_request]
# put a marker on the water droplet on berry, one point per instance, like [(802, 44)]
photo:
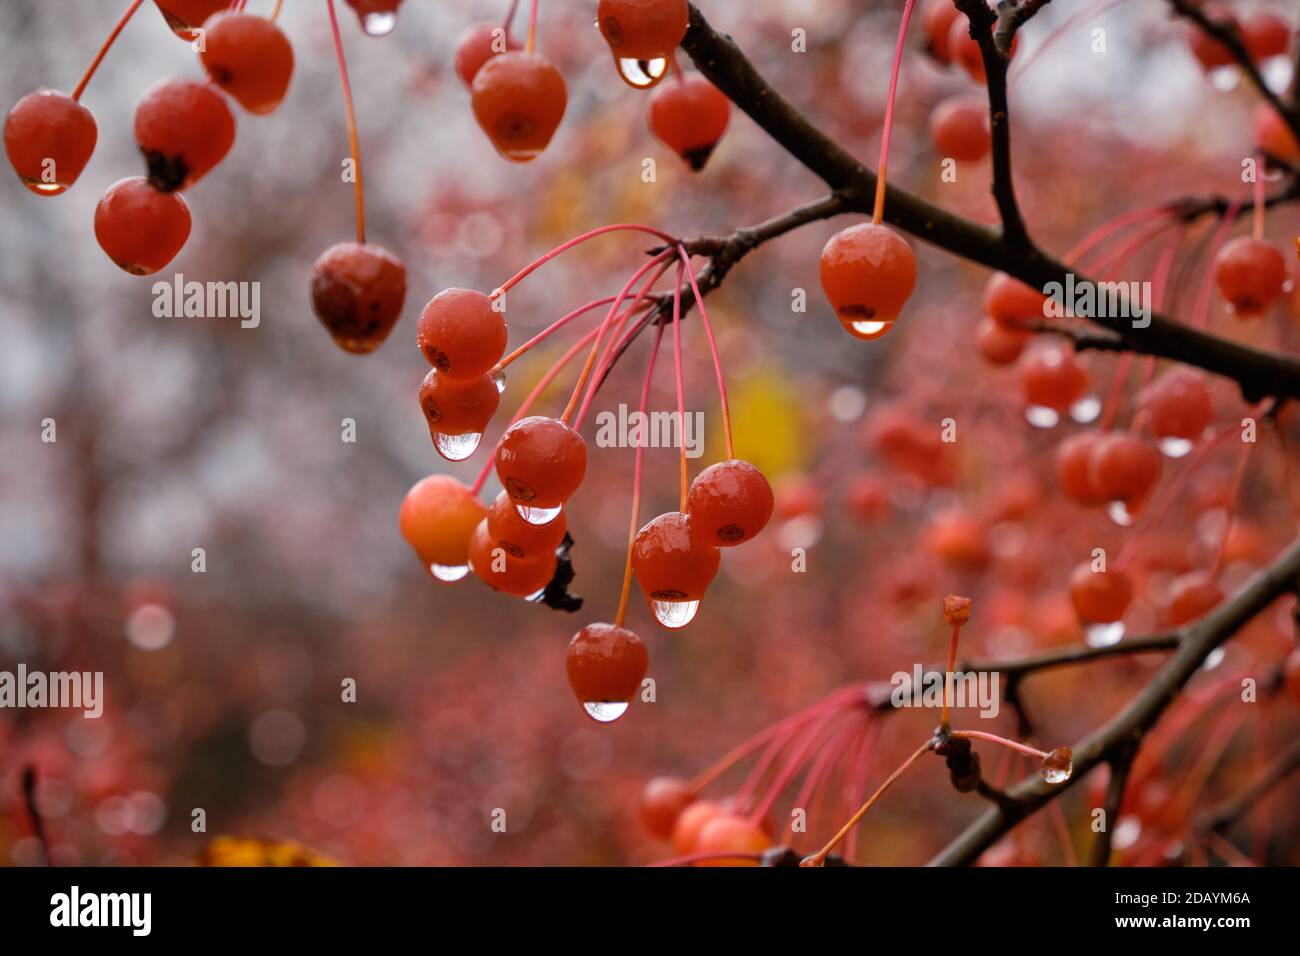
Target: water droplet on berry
[(379, 24), (1172, 447), (536, 596), (1127, 832), (449, 572), (1214, 659), (1225, 79), (1086, 410), (867, 330), (1104, 635), (498, 377), (1058, 765), (1040, 416), (47, 189), (642, 74), (605, 710), (537, 515), (674, 614), (457, 447), (1118, 512)]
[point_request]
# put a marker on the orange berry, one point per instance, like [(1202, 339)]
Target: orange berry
[(998, 344), (139, 227), (672, 569), (936, 23), (868, 272), (686, 832), (959, 128), (1266, 35), (606, 664), (728, 503), (642, 35), (541, 462), (1099, 597), (1250, 275), (1011, 303), (1053, 377), (964, 50), (1191, 596), (1073, 472), (519, 538), (689, 116), (520, 577), (662, 802), (1123, 467), (727, 833), (437, 517), (519, 99), (1208, 51), (250, 58), (1274, 136), (49, 137), (357, 292), (184, 128), (457, 412), (461, 334), (1178, 404), (478, 44), (184, 16), (958, 539)]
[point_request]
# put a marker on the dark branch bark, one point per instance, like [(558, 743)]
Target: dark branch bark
[(1120, 766)]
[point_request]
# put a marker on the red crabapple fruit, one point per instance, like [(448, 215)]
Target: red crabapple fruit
[(1053, 377), (519, 538), (184, 128), (357, 292), (461, 334), (662, 802), (728, 503), (1099, 597), (998, 344), (378, 17), (1273, 136), (140, 228), (478, 44), (1073, 471), (437, 517), (1011, 303), (186, 16), (519, 577), (642, 35), (49, 137), (936, 23), (457, 412), (606, 664), (689, 116), (672, 568), (728, 833), (250, 58), (1191, 596), (959, 129), (541, 462), (1250, 275), (868, 272), (519, 99), (1123, 467)]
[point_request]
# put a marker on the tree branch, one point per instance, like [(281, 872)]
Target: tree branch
[(1120, 766)]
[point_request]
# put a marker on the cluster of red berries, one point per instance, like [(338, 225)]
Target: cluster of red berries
[(1263, 33), (183, 128)]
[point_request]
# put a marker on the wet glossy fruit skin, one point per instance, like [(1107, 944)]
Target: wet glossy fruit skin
[(1073, 473), (642, 29), (1191, 596), (184, 128), (458, 408), (1099, 597), (689, 116), (478, 44), (867, 272), (662, 802), (1178, 404), (729, 503), (357, 292), (1011, 303), (728, 833), (250, 58), (183, 16), (460, 334), (998, 345), (49, 125), (140, 228), (958, 539), (686, 831), (605, 663), (1052, 377), (520, 577), (520, 538), (959, 129), (437, 517), (668, 564), (1250, 275), (519, 99), (1123, 467), (541, 461)]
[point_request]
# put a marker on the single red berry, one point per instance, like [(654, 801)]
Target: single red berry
[(378, 17), (936, 23), (998, 344), (867, 499), (49, 137), (642, 35), (662, 802), (461, 334), (1053, 377), (457, 412), (1266, 35), (1208, 51), (250, 58), (606, 664), (959, 128), (728, 503), (1011, 303), (522, 539), (186, 16), (1123, 467), (184, 128), (540, 462), (964, 49), (672, 569), (1250, 275), (519, 99), (686, 832), (1191, 596), (729, 833), (868, 272), (478, 44), (1073, 470), (139, 227), (437, 517), (1099, 597), (495, 567), (959, 539), (1178, 405), (357, 292), (1273, 136), (689, 116)]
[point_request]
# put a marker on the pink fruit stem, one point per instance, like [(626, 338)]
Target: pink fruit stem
[(1089, 12), (878, 214), (1234, 493), (1015, 745), (681, 388), (1201, 311), (349, 109), (713, 351), (103, 50), (532, 27), (577, 240), (636, 484), (1260, 206), (553, 327), (858, 783)]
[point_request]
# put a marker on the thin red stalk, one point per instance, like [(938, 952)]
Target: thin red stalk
[(1090, 12), (1015, 745), (706, 858), (681, 388), (1201, 311), (636, 485), (532, 27), (103, 50), (353, 140), (713, 351), (790, 767), (1063, 833), (857, 784), (878, 213), (1234, 493), (553, 327), (576, 240)]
